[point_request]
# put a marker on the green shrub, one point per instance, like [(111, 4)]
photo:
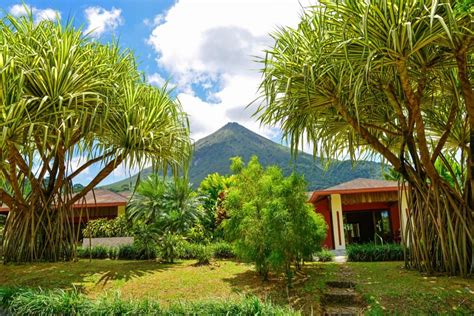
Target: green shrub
[(170, 246), (223, 250), (96, 252), (58, 302), (203, 254), (145, 240), (325, 255), (188, 250), (103, 227), (372, 252), (127, 252)]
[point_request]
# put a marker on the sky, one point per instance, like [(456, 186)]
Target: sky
[(206, 49)]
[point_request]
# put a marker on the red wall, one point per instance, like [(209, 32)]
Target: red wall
[(322, 207)]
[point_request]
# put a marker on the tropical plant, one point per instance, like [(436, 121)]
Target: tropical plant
[(172, 206), (170, 246), (145, 239), (104, 227), (67, 100), (21, 301), (325, 255), (147, 204), (213, 189), (183, 207), (270, 221), (387, 78)]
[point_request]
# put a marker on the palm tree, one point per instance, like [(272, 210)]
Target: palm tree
[(171, 206), (65, 97), (386, 78), (147, 204)]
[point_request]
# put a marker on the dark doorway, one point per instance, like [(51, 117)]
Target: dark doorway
[(367, 226)]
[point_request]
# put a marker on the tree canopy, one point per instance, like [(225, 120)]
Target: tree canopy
[(388, 78), (68, 102), (270, 221)]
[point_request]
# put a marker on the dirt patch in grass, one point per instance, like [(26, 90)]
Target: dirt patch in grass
[(389, 288)]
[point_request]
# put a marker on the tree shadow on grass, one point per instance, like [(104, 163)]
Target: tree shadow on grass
[(77, 275), (304, 295), (132, 270)]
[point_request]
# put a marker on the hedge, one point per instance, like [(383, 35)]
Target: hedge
[(372, 252)]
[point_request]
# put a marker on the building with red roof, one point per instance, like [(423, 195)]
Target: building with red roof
[(361, 211)]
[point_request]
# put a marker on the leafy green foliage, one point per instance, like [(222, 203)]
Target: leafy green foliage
[(222, 250), (203, 254), (213, 189), (389, 79), (171, 206), (324, 255), (169, 246), (146, 238), (372, 252), (96, 252), (270, 222), (103, 227), (66, 96), (58, 302)]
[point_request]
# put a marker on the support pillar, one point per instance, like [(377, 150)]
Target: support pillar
[(337, 222)]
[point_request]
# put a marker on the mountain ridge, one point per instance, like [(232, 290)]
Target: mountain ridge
[(213, 152)]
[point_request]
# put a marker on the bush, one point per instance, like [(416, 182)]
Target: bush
[(127, 252), (325, 255), (223, 250), (170, 246), (103, 227), (203, 254), (58, 302), (372, 252), (188, 250), (96, 252)]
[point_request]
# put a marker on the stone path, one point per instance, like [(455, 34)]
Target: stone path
[(340, 297)]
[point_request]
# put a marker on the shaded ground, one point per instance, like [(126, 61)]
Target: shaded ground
[(386, 286)]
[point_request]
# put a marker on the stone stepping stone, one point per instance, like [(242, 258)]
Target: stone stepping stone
[(340, 298)]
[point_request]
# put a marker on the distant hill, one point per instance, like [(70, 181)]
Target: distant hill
[(213, 152)]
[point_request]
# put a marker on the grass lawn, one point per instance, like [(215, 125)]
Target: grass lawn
[(168, 283), (388, 287)]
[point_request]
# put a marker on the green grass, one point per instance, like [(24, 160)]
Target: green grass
[(388, 287), (223, 280)]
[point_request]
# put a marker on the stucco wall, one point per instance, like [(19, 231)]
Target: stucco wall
[(107, 241)]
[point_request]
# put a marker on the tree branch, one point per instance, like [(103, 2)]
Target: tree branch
[(414, 103), (99, 177), (88, 164)]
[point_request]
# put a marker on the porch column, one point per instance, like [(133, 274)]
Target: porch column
[(403, 216), (337, 222)]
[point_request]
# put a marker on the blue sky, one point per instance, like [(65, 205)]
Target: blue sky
[(206, 48)]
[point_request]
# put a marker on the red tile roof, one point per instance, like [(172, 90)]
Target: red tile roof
[(98, 197), (359, 185), (101, 197)]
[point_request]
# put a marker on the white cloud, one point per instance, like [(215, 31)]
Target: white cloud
[(100, 20), (38, 14), (156, 79), (210, 46)]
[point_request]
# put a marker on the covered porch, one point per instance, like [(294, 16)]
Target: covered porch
[(361, 211)]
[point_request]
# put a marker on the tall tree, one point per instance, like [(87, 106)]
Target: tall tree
[(391, 78), (66, 103)]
